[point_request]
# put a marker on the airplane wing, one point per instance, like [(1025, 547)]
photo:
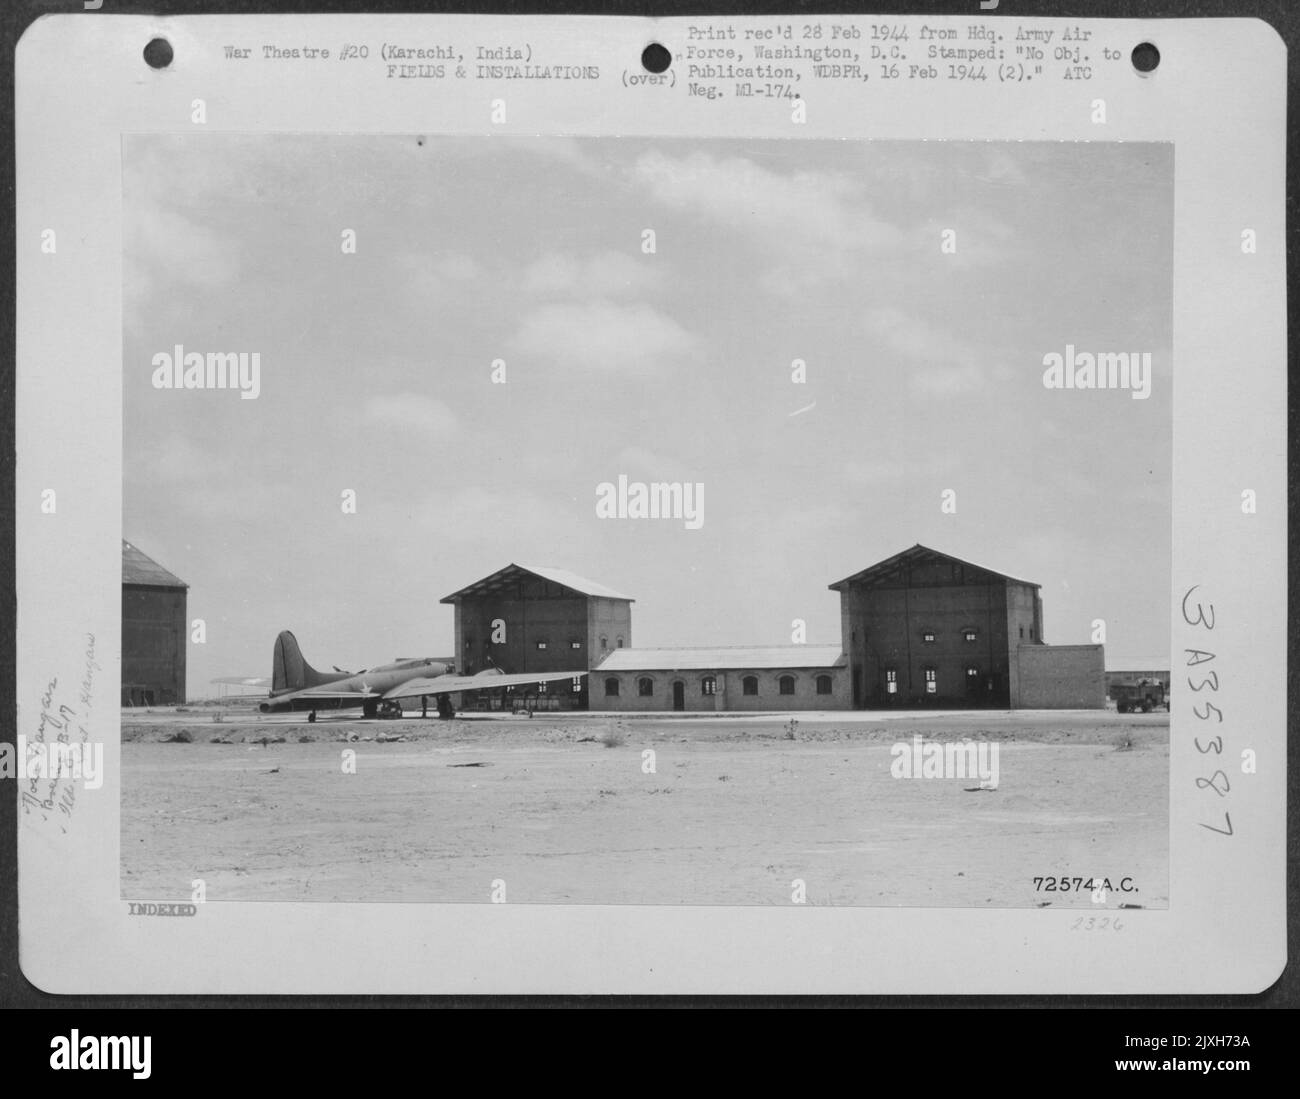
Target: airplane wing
[(323, 693), (451, 684)]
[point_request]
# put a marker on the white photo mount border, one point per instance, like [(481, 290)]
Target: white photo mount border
[(1218, 96)]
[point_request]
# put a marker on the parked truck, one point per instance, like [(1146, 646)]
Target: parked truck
[(1140, 696)]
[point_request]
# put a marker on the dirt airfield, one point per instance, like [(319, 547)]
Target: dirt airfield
[(570, 809)]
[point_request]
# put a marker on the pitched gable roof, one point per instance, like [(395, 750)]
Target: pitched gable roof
[(892, 569), (138, 568), (512, 574)]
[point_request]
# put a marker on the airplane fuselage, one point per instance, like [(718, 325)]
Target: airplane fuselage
[(379, 691), (370, 685)]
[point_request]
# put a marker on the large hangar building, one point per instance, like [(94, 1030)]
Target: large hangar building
[(153, 631), (539, 619), (925, 628)]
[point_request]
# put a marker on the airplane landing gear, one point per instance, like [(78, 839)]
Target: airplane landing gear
[(311, 718)]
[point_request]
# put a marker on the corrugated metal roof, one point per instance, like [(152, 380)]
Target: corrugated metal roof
[(138, 568), (720, 657), (918, 553), (576, 582), (510, 573)]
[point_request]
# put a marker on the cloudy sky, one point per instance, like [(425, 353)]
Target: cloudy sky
[(924, 374)]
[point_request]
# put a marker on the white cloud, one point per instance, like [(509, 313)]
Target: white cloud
[(981, 241), (895, 470), (413, 410), (167, 252), (938, 365), (604, 337), (605, 274), (818, 207), (647, 464), (458, 267), (947, 381), (875, 472), (168, 459), (429, 279), (814, 227), (576, 153), (1001, 168), (482, 515)]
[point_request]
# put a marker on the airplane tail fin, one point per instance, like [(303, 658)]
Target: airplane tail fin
[(289, 671)]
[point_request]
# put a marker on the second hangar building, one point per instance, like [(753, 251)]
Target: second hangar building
[(921, 628)]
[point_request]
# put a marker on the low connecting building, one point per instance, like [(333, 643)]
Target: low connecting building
[(153, 632), (920, 629), (782, 677)]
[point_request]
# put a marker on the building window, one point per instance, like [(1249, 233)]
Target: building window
[(541, 644), (611, 687), (968, 635), (1031, 633), (604, 641), (891, 681), (541, 688), (823, 684), (620, 642), (469, 643), (928, 637), (749, 685), (575, 684), (709, 685), (1022, 632), (645, 686), (787, 684), (972, 673), (575, 644), (931, 681)]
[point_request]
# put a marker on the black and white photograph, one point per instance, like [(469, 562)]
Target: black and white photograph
[(599, 506), (786, 520)]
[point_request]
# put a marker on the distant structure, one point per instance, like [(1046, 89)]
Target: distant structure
[(539, 619), (925, 628), (919, 629), (774, 677), (153, 632)]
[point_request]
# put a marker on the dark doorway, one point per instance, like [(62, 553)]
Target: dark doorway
[(679, 695), (999, 693), (857, 688)]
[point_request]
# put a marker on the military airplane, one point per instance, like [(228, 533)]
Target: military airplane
[(297, 686)]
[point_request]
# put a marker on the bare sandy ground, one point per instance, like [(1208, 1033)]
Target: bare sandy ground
[(733, 812)]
